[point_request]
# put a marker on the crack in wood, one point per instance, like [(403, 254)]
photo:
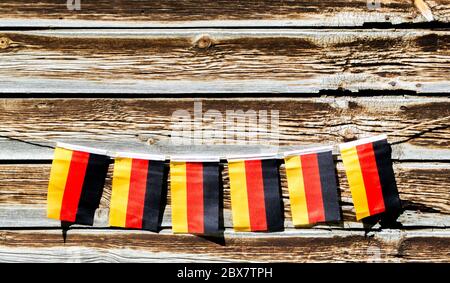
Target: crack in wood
[(423, 8)]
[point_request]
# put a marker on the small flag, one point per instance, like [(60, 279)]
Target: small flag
[(370, 175), (76, 183), (136, 198), (255, 194), (312, 186), (194, 189)]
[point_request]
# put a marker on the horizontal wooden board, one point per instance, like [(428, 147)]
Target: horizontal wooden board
[(147, 125), (35, 217), (423, 189), (201, 13), (288, 246), (223, 61)]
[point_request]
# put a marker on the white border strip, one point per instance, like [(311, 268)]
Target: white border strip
[(362, 141), (145, 156), (236, 158), (308, 150), (82, 148), (192, 158)]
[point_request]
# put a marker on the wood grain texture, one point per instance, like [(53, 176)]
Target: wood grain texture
[(125, 124), (440, 9), (225, 48), (223, 61), (423, 189), (35, 217), (203, 13), (288, 246)]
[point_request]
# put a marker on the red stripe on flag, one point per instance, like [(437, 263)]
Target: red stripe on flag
[(255, 194), (194, 187), (136, 194), (74, 186), (313, 188), (371, 178)]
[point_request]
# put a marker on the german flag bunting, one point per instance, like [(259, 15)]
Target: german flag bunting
[(138, 195), (76, 183), (136, 199), (195, 200), (312, 186), (255, 195), (370, 175)]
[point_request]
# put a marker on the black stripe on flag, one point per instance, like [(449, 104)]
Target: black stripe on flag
[(272, 195), (329, 186), (211, 197), (92, 190), (153, 194), (382, 151)]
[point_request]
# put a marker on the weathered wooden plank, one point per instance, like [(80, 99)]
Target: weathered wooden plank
[(288, 246), (35, 216), (223, 61), (122, 124), (439, 9), (201, 13), (422, 187)]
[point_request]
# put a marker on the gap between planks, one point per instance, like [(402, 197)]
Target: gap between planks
[(200, 13)]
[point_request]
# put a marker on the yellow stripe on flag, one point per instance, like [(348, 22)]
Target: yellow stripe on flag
[(57, 184), (355, 181), (120, 190), (239, 197), (296, 188), (178, 189)]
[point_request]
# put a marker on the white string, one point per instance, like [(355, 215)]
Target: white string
[(50, 143), (442, 123)]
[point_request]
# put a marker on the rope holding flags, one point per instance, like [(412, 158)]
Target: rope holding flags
[(78, 176), (137, 200)]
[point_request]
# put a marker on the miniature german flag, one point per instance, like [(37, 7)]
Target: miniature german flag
[(312, 186), (76, 183), (194, 189), (370, 175), (255, 194), (136, 198)]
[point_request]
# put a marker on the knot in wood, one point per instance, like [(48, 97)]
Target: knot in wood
[(4, 42), (203, 42), (348, 135)]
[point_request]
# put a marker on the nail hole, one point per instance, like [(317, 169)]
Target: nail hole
[(4, 42)]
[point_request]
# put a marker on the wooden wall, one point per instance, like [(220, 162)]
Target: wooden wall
[(112, 74)]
